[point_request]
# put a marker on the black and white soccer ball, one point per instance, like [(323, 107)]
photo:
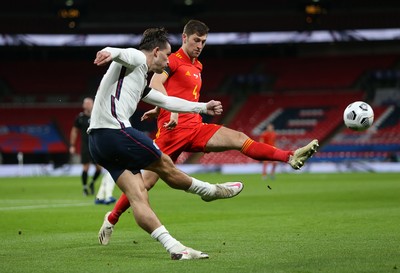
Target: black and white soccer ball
[(358, 116)]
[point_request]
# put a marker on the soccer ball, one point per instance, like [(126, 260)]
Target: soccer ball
[(358, 116)]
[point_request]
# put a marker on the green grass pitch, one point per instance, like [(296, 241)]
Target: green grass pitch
[(304, 223)]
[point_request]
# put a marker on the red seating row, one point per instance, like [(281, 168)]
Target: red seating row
[(259, 107), (75, 78), (323, 108), (216, 71), (50, 78), (374, 135), (323, 72), (63, 116)]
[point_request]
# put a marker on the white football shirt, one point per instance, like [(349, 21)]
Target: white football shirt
[(120, 90)]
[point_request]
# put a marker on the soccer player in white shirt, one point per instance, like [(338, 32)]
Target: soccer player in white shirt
[(124, 151)]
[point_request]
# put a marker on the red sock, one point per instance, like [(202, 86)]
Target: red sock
[(264, 152), (120, 207)]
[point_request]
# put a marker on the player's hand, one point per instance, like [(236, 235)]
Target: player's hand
[(72, 150), (153, 113), (102, 58), (214, 108), (173, 121)]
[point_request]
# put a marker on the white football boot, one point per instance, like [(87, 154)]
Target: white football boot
[(106, 230), (301, 155), (189, 254), (225, 190)]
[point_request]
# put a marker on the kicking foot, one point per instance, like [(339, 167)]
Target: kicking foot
[(106, 230), (225, 190), (189, 254), (301, 155)]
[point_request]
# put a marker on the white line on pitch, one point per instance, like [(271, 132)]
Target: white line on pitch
[(39, 201), (46, 206)]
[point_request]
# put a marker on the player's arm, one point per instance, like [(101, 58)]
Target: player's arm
[(128, 57), (180, 105), (157, 82), (72, 139)]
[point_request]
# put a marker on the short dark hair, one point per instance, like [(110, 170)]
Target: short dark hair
[(195, 27), (154, 37)]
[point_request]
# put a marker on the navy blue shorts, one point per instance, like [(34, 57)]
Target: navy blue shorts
[(118, 150)]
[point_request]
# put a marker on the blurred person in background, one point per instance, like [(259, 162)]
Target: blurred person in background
[(81, 124), (105, 192), (186, 131), (268, 137)]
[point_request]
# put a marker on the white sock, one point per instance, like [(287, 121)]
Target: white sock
[(162, 235), (109, 187), (201, 188), (101, 190)]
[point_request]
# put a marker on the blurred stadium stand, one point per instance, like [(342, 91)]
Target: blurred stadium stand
[(301, 88), (101, 16)]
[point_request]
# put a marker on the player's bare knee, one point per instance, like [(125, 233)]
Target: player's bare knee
[(161, 166), (238, 139), (242, 136)]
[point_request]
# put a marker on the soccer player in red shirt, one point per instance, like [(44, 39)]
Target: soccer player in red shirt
[(182, 78), (268, 137)]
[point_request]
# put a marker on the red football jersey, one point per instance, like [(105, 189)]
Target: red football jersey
[(184, 81), (268, 138)]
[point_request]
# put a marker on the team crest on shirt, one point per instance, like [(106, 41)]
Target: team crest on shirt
[(194, 75)]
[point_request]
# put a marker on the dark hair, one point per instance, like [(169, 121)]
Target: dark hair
[(154, 37), (195, 27)]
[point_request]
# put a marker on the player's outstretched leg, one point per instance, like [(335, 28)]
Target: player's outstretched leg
[(224, 190), (175, 178), (301, 155), (106, 230), (189, 254)]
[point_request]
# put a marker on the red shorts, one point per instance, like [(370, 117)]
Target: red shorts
[(190, 139)]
